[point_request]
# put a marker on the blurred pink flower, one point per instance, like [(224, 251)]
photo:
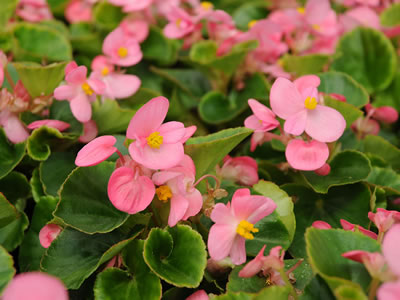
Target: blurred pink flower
[(242, 169), (199, 295), (180, 24), (90, 131), (274, 261), (78, 11), (48, 234), (384, 219), (34, 10), (306, 156)]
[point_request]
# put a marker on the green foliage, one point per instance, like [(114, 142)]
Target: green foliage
[(391, 15), (7, 269)]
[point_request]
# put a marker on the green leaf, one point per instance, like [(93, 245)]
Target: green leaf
[(350, 292), (391, 15), (317, 289), (310, 206), (207, 151), (283, 201), (8, 212), (15, 186), (215, 108), (107, 16), (55, 170), (84, 200), (60, 110), (7, 269), (325, 249), (36, 185), (379, 146), (347, 167), (248, 12), (389, 97), (385, 178), (368, 56), (73, 256), (11, 154), (57, 6), (34, 42), (273, 292), (240, 284), (343, 84), (85, 38), (40, 80), (177, 255), (7, 9), (349, 112), (233, 296), (110, 118), (305, 64)]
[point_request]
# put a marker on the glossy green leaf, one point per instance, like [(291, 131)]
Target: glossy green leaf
[(177, 255), (36, 185), (15, 186), (368, 56), (349, 112), (240, 284), (207, 151), (331, 207), (391, 15), (379, 146), (73, 256), (317, 289), (346, 167), (385, 178), (107, 16), (7, 9), (11, 154), (325, 249), (350, 292), (84, 200), (57, 6), (283, 201), (60, 110), (7, 269), (8, 212), (40, 80), (248, 12), (343, 84), (34, 42), (233, 296), (304, 64), (273, 292), (389, 97)]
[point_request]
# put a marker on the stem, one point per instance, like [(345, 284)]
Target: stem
[(373, 288), (217, 181), (154, 216), (287, 282), (380, 237), (9, 78), (121, 157)]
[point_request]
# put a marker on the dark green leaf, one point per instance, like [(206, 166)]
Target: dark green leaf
[(10, 154), (7, 269)]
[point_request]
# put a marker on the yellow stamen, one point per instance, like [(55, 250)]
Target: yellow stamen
[(207, 5), (245, 229), (316, 27), (252, 23), (122, 52), (105, 71), (164, 193), (178, 22), (87, 89), (155, 140), (301, 10), (310, 103)]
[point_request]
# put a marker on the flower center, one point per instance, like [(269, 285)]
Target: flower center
[(122, 52), (245, 229), (105, 71), (206, 5), (310, 103), (164, 193), (301, 10), (87, 89), (178, 22), (155, 140), (252, 23), (316, 27)]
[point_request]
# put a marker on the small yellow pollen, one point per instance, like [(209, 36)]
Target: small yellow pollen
[(245, 229), (164, 193), (316, 27), (178, 22), (252, 23), (105, 71), (155, 140), (207, 5), (301, 10), (87, 89), (122, 52), (310, 103)]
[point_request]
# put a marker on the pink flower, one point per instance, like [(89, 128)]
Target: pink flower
[(57, 124), (117, 85), (177, 185), (262, 120), (242, 169), (96, 151), (122, 49), (374, 262), (13, 127), (352, 227), (297, 103), (234, 223), (136, 29), (34, 10), (306, 156), (48, 234), (3, 63), (360, 16), (79, 91), (386, 114), (35, 285), (321, 225), (389, 291), (390, 248), (180, 24), (199, 295), (132, 5), (90, 131), (384, 219), (156, 145), (78, 11)]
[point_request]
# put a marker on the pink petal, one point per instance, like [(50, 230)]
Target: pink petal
[(306, 156), (221, 214), (261, 111), (129, 194), (1, 75), (325, 124), (97, 85), (137, 29), (57, 124), (254, 266), (77, 75), (321, 225), (306, 81), (390, 248), (14, 129), (285, 99), (148, 118), (71, 66), (365, 16), (220, 240), (179, 204), (238, 251), (317, 10), (254, 123), (35, 285), (295, 124), (134, 56), (388, 291), (189, 131), (81, 108), (123, 85), (96, 151), (199, 295), (90, 131), (48, 234), (172, 132), (162, 177), (195, 200), (65, 92)]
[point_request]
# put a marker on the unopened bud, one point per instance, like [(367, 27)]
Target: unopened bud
[(324, 170)]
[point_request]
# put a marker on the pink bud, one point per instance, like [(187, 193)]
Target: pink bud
[(338, 97), (384, 219), (386, 114), (352, 227), (324, 170), (96, 151), (57, 124), (199, 295), (48, 234), (321, 225)]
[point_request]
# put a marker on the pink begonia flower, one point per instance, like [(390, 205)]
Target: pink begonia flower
[(90, 132), (386, 114), (297, 103), (79, 91), (130, 188), (360, 16), (33, 10), (177, 185), (13, 127), (366, 126), (324, 170), (234, 223), (2, 66), (352, 227), (199, 295), (180, 24), (390, 248), (384, 219), (35, 286), (357, 2), (48, 234), (78, 11), (156, 145), (242, 169), (122, 49), (321, 225), (136, 29), (117, 85), (262, 120), (96, 151), (389, 291), (275, 70), (57, 124), (306, 156), (132, 5), (373, 261)]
